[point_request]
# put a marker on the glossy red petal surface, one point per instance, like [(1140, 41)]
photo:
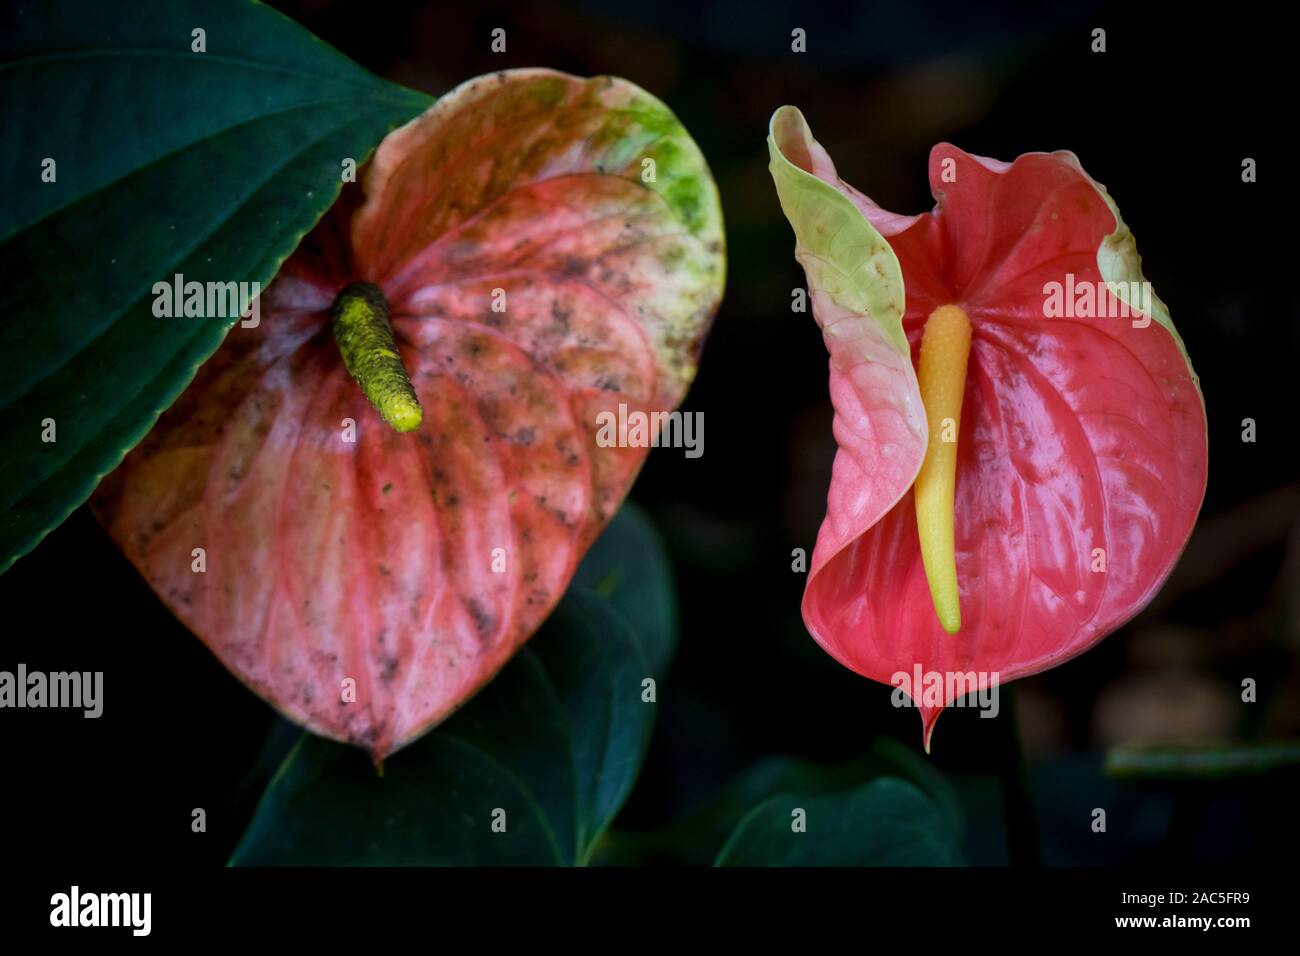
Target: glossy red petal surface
[(416, 564), (1077, 434)]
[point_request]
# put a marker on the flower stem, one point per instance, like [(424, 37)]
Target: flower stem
[(1017, 802)]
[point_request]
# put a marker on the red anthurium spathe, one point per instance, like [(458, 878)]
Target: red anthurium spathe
[(394, 475), (1022, 441)]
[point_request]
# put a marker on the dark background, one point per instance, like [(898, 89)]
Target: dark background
[(1163, 118)]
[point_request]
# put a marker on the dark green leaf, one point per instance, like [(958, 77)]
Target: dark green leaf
[(888, 822), (212, 165), (555, 740), (696, 836), (888, 757), (628, 565)]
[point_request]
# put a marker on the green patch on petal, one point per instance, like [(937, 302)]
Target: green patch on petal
[(643, 139), (843, 254), (640, 139), (548, 91), (1121, 269)]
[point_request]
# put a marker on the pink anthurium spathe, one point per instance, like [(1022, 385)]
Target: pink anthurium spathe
[(367, 503), (1022, 440)]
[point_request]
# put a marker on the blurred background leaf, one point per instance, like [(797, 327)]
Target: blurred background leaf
[(888, 822), (628, 566), (698, 836), (1202, 763)]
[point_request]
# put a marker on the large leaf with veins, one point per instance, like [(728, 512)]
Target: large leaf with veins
[(1078, 433), (166, 161), (537, 276)]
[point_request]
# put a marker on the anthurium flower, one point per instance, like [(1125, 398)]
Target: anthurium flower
[(367, 503), (1022, 441)]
